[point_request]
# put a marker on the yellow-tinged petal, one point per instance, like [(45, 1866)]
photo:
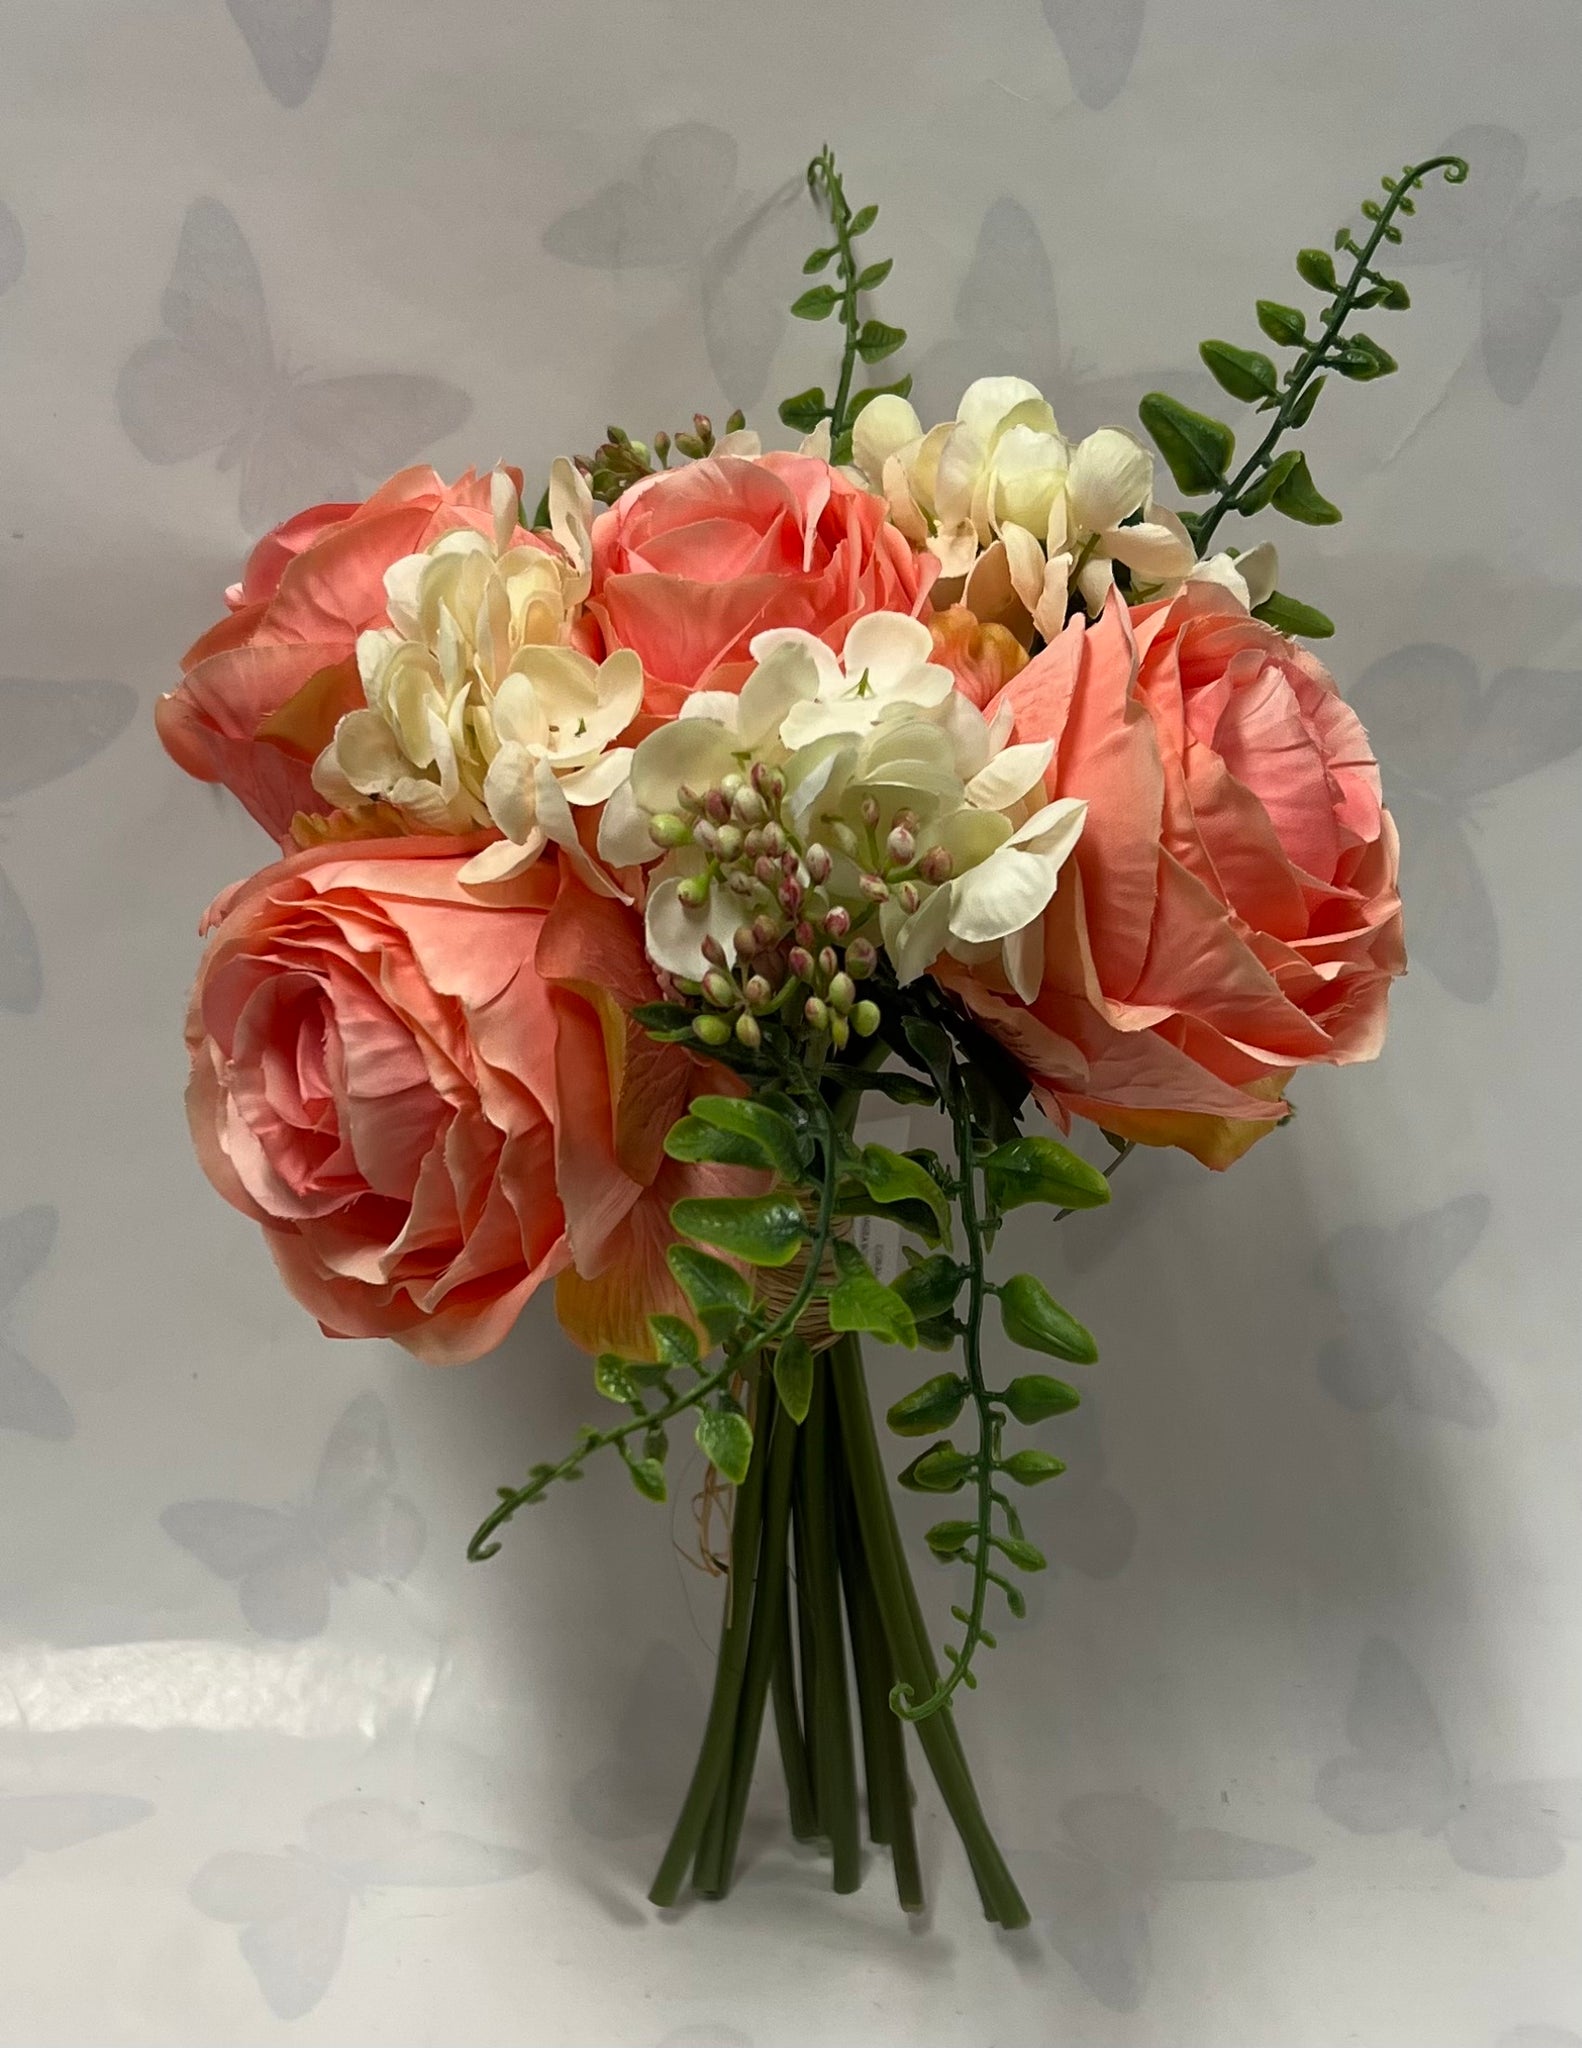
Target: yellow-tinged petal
[(1111, 477)]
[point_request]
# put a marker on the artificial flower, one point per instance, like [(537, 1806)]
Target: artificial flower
[(261, 692), (1233, 913), (478, 713), (691, 563)]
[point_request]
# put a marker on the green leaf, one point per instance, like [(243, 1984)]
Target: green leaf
[(1302, 411), (1394, 297), (1026, 1557), (1259, 494), (876, 340), (862, 220), (819, 260), (674, 1342), (933, 1405), (950, 1539), (901, 388), (1289, 616), (1042, 1170), (1034, 1397), (864, 1303), (1282, 324), (664, 1020), (766, 1230), (1198, 449), (899, 1087), (794, 1377), (612, 1379), (1035, 1320), (938, 1333), (782, 1146), (1300, 498), (1362, 359), (1246, 373), (725, 1438), (1317, 268), (648, 1476), (817, 303), (541, 511), (932, 1045), (806, 409), (1031, 1468), (719, 1294), (939, 1469), (692, 1139), (891, 1177), (870, 279), (929, 1288)]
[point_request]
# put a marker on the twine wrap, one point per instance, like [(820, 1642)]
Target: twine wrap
[(779, 1284)]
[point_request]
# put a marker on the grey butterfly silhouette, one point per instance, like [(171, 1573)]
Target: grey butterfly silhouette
[(1385, 1281), (29, 1401), (1447, 746), (38, 1823), (634, 1790), (1007, 320), (212, 385), (286, 1561), (1399, 1775), (1098, 39), (293, 1908), (13, 248), (288, 39), (1525, 252), (1102, 1883), (46, 730), (1538, 2036), (680, 211)]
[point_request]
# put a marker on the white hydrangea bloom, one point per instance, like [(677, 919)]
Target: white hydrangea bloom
[(867, 779), (478, 712)]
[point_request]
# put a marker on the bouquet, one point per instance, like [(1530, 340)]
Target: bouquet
[(632, 844)]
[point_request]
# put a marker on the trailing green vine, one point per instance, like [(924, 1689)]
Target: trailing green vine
[(1200, 449), (868, 341)]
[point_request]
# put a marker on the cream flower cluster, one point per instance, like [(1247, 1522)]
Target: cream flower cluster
[(1018, 516), (479, 713), (860, 798)]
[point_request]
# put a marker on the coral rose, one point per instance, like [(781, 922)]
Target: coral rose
[(1230, 913), (690, 564), (379, 1065), (261, 692)]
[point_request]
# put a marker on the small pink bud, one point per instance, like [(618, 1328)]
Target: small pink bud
[(875, 888), (712, 950), (718, 805), (837, 922), (901, 847), (828, 962), (936, 864), (818, 862), (910, 897), (800, 962), (815, 1014), (870, 812), (719, 990), (861, 958)]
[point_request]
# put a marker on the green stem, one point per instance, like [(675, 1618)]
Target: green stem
[(788, 1729), (719, 1731), (884, 1752), (909, 1651), (752, 1340), (834, 1761), (769, 1606), (823, 176), (1455, 170)]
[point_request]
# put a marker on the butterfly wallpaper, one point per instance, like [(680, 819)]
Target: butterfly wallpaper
[(1286, 1748)]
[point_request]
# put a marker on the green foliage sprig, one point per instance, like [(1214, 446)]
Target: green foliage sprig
[(866, 340), (1200, 449)]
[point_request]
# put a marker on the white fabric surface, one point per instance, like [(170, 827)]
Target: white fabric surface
[(1325, 1502)]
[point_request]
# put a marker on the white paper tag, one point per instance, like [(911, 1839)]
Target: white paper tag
[(877, 1237)]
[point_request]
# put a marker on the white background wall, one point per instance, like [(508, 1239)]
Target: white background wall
[(1338, 1405)]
